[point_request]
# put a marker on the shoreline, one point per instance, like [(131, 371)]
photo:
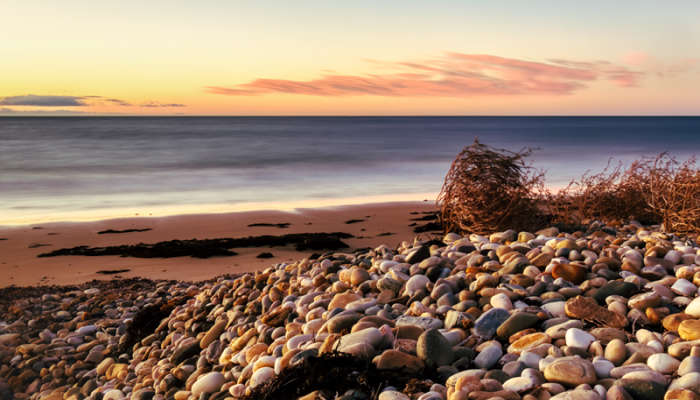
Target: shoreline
[(20, 218), (369, 223)]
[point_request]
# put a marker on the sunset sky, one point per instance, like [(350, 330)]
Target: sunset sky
[(350, 58)]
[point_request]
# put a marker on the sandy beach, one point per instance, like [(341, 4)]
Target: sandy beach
[(22, 244)]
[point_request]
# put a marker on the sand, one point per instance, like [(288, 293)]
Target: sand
[(20, 265)]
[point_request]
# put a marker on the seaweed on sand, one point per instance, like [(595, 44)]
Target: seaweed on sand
[(205, 248), (333, 372)]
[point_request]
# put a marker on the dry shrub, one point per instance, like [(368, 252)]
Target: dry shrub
[(672, 191), (610, 195), (651, 190), (488, 189)]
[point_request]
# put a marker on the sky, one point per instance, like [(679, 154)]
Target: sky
[(349, 58)]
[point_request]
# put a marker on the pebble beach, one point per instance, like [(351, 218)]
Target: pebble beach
[(602, 313)]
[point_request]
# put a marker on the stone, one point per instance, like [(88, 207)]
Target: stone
[(602, 367), (416, 284), (616, 351), (644, 389), (663, 363), (424, 323), (693, 308), (342, 322), (672, 321), (587, 309), (688, 381), (213, 333), (392, 395), (488, 356), (519, 384), (260, 376), (370, 336), (570, 371), (208, 383), (398, 360), (555, 308), (487, 324), (690, 363), (501, 300), (528, 342), (643, 301), (578, 394), (457, 319), (617, 288), (684, 288), (578, 338), (340, 300), (434, 349), (516, 323), (689, 329), (569, 272), (113, 394)]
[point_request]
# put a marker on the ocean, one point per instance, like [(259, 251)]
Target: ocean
[(77, 168)]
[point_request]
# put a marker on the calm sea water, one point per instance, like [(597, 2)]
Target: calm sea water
[(53, 167)]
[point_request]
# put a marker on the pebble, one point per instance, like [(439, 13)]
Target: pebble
[(578, 338), (208, 383), (605, 312), (487, 324), (570, 371)]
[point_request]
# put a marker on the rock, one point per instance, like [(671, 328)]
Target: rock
[(528, 342), (688, 381), (689, 329), (208, 383), (555, 308), (519, 384), (398, 360), (672, 321), (516, 323), (663, 363), (434, 349), (358, 275), (457, 319), (602, 368), (569, 272), (113, 394), (416, 284), (690, 363), (392, 395), (616, 351), (342, 322), (578, 338), (587, 309), (500, 300), (488, 356), (418, 255), (340, 300), (571, 371), (644, 389), (424, 323), (693, 309), (684, 288), (370, 337), (487, 324), (213, 333), (614, 288), (643, 301), (260, 376)]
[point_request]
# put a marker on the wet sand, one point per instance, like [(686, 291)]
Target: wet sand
[(22, 267)]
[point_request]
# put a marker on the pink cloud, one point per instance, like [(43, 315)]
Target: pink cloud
[(451, 75)]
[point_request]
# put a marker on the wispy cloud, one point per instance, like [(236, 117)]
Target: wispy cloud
[(43, 101), (662, 68), (76, 101), (450, 75), (155, 104)]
